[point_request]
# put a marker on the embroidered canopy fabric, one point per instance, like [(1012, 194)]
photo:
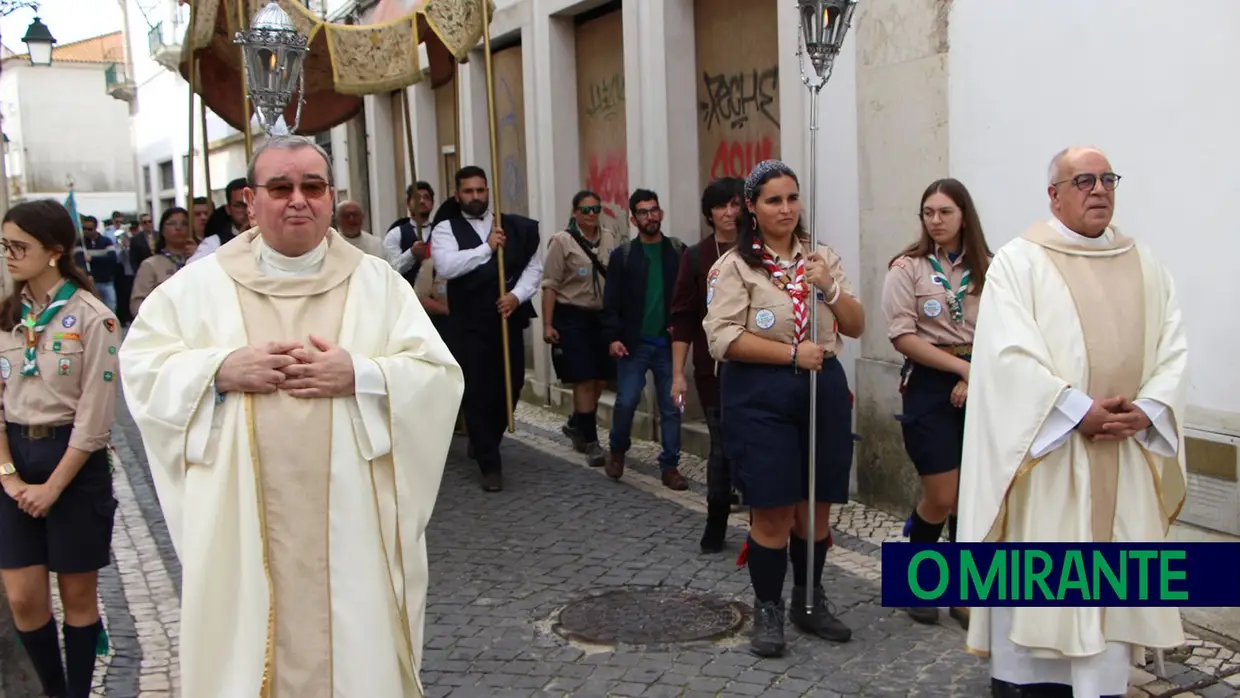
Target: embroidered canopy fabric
[(345, 61)]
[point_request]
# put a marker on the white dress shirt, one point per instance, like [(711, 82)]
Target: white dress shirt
[(452, 262), (209, 244), (1073, 404), (402, 262)]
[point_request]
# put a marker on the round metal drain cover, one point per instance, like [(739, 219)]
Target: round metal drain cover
[(646, 617)]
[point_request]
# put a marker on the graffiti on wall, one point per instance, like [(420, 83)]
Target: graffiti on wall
[(608, 176), (733, 99), (606, 98), (735, 158)]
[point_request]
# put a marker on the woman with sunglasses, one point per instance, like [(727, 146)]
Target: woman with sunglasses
[(174, 247), (58, 395), (572, 305)]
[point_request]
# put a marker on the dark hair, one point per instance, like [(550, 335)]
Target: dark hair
[(160, 246), (48, 222), (220, 224), (201, 200), (469, 172), (233, 186), (582, 196), (976, 252), (640, 196), (90, 219), (747, 230), (719, 193), (450, 208), (420, 186)]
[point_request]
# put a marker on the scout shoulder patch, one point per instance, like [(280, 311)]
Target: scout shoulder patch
[(110, 325)]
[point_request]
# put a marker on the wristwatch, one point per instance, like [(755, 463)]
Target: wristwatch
[(8, 469)]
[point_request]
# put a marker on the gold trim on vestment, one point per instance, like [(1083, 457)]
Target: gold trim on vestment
[(331, 645), (264, 690)]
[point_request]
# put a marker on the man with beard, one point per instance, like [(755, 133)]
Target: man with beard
[(721, 204), (465, 250), (217, 231), (641, 275)]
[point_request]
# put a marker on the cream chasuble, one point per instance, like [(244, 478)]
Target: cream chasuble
[(299, 522), (1066, 319)]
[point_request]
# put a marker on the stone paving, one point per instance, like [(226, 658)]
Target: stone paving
[(502, 565)]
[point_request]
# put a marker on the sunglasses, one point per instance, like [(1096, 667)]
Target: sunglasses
[(283, 190), (586, 210)]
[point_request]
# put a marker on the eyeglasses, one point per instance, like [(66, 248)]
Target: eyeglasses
[(312, 189), (1087, 182), (586, 210), (14, 250), (930, 213), (646, 213)]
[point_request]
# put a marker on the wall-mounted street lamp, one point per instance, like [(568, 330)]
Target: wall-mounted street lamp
[(39, 42), (274, 51)]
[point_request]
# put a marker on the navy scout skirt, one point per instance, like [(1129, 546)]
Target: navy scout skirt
[(765, 415), (933, 427)]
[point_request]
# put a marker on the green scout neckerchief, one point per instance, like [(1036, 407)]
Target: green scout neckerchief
[(955, 301), (34, 327)]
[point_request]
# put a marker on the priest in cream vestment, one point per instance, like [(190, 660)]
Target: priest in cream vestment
[(1073, 432), (296, 405)]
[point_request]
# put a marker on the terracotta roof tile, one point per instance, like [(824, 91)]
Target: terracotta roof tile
[(108, 48)]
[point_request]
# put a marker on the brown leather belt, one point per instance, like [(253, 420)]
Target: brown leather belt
[(38, 432)]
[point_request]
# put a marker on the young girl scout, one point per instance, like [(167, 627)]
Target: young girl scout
[(930, 298), (58, 395), (757, 321)]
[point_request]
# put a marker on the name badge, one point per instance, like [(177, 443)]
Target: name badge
[(765, 319), (932, 308)]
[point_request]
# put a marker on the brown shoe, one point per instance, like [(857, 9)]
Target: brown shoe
[(492, 482), (614, 466), (673, 480)]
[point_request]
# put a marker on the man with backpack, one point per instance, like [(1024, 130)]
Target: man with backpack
[(641, 275)]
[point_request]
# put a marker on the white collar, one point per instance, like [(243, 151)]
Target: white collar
[(1103, 240), (283, 265)]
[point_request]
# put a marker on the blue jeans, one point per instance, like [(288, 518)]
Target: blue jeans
[(654, 356), (107, 294)]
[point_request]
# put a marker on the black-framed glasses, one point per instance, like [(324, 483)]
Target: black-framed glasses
[(646, 213), (587, 210), (14, 250), (313, 189), (1087, 182)]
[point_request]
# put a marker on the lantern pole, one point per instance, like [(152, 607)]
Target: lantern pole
[(496, 204), (189, 141), (206, 160), (247, 109), (822, 41)]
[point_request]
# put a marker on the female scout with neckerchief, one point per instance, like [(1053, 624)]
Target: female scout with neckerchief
[(58, 396), (757, 321), (930, 298), (172, 250), (574, 273)]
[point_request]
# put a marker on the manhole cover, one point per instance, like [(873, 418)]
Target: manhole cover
[(644, 617)]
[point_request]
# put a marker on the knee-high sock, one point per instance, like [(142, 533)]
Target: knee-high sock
[(800, 561), (80, 645), (923, 531), (767, 568), (43, 648), (951, 528)]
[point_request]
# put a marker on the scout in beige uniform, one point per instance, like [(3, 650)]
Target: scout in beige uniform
[(58, 395), (172, 250), (757, 321), (930, 298), (574, 273)]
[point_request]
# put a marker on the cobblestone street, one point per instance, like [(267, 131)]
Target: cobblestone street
[(503, 566)]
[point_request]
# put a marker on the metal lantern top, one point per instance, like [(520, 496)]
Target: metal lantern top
[(273, 51), (824, 24)]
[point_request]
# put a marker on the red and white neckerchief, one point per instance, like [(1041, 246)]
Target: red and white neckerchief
[(792, 282)]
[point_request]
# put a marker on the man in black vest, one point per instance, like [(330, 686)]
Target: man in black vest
[(463, 250), (405, 240)]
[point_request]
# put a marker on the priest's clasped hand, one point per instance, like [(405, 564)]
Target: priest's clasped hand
[(255, 369), (327, 372), (1113, 419)]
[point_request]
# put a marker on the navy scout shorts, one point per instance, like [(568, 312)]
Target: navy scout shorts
[(582, 354), (933, 427)]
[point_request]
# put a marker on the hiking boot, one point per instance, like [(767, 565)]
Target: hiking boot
[(767, 639), (926, 615), (673, 480), (579, 443), (595, 457), (817, 619), (614, 467)]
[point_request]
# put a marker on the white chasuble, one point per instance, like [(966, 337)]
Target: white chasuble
[(1059, 316), (300, 523)]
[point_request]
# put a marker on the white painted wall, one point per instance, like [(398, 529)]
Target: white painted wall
[(61, 122), (1027, 79)]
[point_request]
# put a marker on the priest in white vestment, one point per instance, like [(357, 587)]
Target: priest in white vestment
[(1076, 403), (296, 406)]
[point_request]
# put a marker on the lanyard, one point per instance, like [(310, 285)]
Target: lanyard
[(34, 327), (955, 301)]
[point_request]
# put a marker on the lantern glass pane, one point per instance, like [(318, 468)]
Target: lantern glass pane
[(40, 52)]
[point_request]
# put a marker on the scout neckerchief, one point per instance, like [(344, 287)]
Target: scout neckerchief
[(955, 301), (177, 259), (35, 326), (791, 282)]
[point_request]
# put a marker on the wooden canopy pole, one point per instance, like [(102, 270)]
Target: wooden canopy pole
[(496, 205), (413, 163), (247, 108), (189, 141)]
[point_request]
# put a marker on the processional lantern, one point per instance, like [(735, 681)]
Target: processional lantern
[(273, 51), (824, 23)]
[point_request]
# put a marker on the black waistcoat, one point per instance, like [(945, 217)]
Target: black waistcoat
[(473, 296)]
